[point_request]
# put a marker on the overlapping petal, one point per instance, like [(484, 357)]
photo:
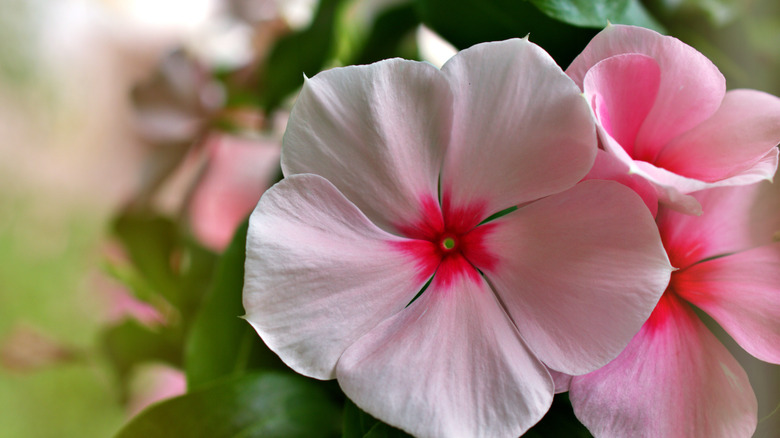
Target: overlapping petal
[(622, 91), (609, 167), (319, 274), (508, 145), (726, 225), (377, 132), (579, 272), (742, 293), (675, 380), (690, 89), (238, 172), (745, 128), (459, 367)]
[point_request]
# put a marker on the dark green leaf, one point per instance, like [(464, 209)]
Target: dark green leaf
[(382, 430), (637, 15), (559, 422), (129, 344), (296, 54), (585, 13), (465, 23), (358, 424), (391, 29), (255, 405), (196, 266), (150, 241), (221, 343)]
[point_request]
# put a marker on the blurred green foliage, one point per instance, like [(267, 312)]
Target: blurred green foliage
[(267, 405)]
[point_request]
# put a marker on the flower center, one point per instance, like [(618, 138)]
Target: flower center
[(447, 243)]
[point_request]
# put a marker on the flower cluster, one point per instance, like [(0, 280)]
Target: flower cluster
[(444, 242)]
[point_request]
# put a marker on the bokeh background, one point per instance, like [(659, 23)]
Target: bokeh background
[(111, 107)]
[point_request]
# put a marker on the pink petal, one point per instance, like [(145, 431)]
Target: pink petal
[(727, 224), (609, 167), (673, 187), (452, 364), (743, 130), (319, 274), (670, 189), (237, 173), (579, 272), (742, 293), (690, 90), (675, 379), (377, 132), (562, 381), (152, 383), (507, 145), (622, 90)]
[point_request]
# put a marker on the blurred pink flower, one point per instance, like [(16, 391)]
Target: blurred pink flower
[(337, 251), (675, 379), (117, 300), (238, 170), (153, 383), (662, 109)]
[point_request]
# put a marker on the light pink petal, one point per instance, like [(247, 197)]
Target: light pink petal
[(319, 274), (743, 130), (237, 173), (621, 91), (377, 132), (727, 225), (662, 181), (579, 272), (609, 167), (562, 381), (152, 383), (675, 379), (690, 90), (673, 189), (521, 129), (452, 364), (742, 293)]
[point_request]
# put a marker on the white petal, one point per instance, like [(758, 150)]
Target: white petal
[(319, 274), (521, 128), (377, 132), (452, 364)]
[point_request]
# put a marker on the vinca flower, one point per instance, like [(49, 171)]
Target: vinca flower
[(675, 379), (238, 170), (431, 249), (663, 111)]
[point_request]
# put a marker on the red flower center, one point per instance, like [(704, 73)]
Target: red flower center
[(448, 242)]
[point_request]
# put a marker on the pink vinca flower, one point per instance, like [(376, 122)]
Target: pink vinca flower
[(237, 172), (662, 109), (338, 251), (675, 379)]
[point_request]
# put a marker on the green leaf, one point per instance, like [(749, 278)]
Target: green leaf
[(129, 344), (559, 422), (150, 241), (358, 424), (163, 263), (465, 23), (585, 13), (264, 405), (391, 30), (296, 54), (220, 343), (383, 430), (637, 15)]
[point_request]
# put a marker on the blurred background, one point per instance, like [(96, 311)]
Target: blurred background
[(135, 135)]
